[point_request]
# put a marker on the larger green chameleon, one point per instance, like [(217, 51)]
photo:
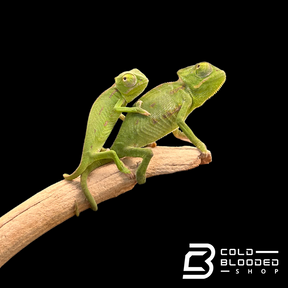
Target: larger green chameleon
[(103, 116), (169, 105)]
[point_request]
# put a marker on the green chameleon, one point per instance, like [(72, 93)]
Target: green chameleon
[(103, 116), (169, 105)]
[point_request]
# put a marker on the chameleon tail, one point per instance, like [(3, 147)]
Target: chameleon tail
[(81, 168)]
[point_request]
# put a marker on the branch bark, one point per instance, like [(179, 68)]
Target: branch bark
[(56, 203)]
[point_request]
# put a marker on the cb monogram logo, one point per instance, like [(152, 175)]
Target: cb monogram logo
[(199, 255)]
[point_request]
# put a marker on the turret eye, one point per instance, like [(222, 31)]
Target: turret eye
[(203, 69), (129, 80)]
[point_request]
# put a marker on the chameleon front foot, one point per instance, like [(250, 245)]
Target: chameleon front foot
[(205, 157), (205, 154), (140, 110)]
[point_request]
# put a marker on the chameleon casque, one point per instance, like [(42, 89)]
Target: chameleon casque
[(169, 105), (103, 116)]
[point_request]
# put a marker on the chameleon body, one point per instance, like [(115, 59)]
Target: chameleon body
[(103, 116), (169, 105)]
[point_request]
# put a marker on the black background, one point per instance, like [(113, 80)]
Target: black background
[(57, 64)]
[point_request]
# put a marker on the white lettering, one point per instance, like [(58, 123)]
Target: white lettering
[(275, 262), (222, 252), (223, 262), (241, 262), (249, 252), (234, 252), (257, 262), (239, 253), (249, 262), (266, 262)]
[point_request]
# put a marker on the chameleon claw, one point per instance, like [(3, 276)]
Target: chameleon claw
[(131, 175), (141, 111), (128, 173), (146, 113), (205, 157)]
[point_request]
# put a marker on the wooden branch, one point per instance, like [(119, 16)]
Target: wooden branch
[(55, 204)]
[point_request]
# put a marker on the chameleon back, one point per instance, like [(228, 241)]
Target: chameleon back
[(101, 121), (162, 103)]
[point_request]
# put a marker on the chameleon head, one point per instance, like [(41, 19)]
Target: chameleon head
[(131, 84), (203, 79)]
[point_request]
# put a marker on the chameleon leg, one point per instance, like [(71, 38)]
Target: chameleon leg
[(86, 191), (180, 135), (144, 153), (191, 136), (136, 109), (107, 155), (110, 154), (185, 128)]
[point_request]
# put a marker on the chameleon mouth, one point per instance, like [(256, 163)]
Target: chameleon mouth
[(221, 84), (224, 74), (142, 85)]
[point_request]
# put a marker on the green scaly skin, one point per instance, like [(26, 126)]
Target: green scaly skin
[(169, 105), (103, 116)]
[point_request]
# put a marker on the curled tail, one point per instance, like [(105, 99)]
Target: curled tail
[(73, 175), (81, 168)]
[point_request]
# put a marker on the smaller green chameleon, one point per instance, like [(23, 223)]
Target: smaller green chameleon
[(103, 116)]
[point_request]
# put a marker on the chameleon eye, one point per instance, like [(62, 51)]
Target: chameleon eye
[(203, 69), (129, 80)]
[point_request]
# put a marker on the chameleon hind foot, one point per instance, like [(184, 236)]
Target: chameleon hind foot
[(145, 153), (141, 179), (77, 213)]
